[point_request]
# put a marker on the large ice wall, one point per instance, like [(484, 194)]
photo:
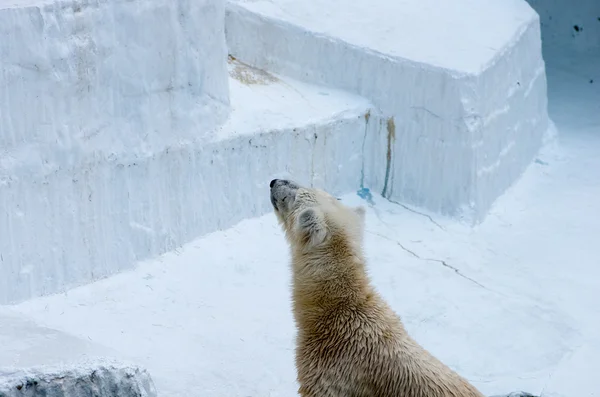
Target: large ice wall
[(463, 84), (90, 91)]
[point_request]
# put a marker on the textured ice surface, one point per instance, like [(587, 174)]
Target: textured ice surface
[(98, 379), (71, 225), (35, 360), (464, 82)]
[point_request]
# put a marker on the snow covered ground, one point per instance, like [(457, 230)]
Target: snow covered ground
[(510, 304)]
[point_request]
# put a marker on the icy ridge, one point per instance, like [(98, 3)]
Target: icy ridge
[(100, 378)]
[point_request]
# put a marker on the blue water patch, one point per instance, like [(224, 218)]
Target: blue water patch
[(365, 194), (538, 161)]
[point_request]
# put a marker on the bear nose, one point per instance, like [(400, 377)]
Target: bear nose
[(273, 183)]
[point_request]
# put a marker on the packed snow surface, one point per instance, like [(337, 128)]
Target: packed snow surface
[(36, 360), (26, 344)]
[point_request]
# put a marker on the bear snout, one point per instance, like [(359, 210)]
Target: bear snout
[(282, 193)]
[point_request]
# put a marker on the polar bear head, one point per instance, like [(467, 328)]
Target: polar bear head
[(313, 219)]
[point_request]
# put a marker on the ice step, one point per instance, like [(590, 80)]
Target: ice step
[(464, 82), (72, 225)]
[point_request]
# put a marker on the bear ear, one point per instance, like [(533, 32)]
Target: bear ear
[(312, 227)]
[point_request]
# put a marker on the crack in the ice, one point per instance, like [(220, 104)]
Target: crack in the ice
[(440, 261), (458, 272), (406, 207), (426, 110)]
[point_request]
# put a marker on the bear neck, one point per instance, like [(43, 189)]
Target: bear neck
[(327, 279)]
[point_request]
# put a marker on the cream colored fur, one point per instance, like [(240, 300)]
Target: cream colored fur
[(350, 343)]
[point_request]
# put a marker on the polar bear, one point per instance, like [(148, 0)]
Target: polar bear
[(350, 343)]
